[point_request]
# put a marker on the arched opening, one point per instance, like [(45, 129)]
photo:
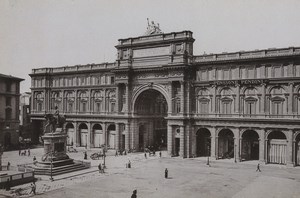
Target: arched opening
[(151, 106), (7, 139), (70, 133), (141, 137), (203, 142), (226, 144), (250, 145), (277, 147), (111, 132), (297, 149), (83, 131), (98, 136)]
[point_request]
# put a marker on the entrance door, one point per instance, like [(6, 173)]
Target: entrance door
[(97, 138), (277, 151), (177, 146), (83, 138), (70, 132), (298, 153)]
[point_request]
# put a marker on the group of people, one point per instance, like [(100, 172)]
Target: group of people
[(152, 153), (119, 152), (24, 152), (101, 168)]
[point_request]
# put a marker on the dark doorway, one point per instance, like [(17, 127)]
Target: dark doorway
[(153, 107), (226, 144), (297, 149), (203, 142), (277, 148), (177, 146), (250, 146), (141, 137)]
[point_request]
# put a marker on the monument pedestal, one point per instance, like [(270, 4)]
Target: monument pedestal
[(55, 160)]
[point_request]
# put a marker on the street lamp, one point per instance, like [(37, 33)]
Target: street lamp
[(208, 156), (51, 164), (234, 153), (104, 155)]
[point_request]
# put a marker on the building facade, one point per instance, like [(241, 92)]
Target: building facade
[(9, 110), (24, 117), (241, 105)]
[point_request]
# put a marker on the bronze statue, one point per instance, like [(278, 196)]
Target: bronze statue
[(54, 121)]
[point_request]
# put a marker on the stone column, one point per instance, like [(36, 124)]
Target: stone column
[(182, 141), (213, 142), (91, 135), (289, 156), (182, 97), (117, 99), (237, 104), (75, 141), (262, 147), (104, 125), (127, 136), (188, 144), (290, 99), (213, 110), (170, 140), (188, 103), (88, 139), (236, 144), (126, 98), (217, 144), (263, 98), (117, 136), (171, 96)]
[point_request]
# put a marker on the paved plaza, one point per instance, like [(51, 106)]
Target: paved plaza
[(187, 178)]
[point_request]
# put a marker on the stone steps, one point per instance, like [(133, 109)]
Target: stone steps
[(59, 170)]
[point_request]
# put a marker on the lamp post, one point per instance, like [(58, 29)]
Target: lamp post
[(104, 155), (234, 153), (208, 156), (51, 164)]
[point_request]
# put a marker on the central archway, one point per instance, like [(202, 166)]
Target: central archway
[(151, 108)]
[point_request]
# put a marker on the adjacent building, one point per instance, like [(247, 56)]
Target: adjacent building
[(241, 105), (9, 110), (25, 123)]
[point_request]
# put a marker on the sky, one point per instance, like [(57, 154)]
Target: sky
[(55, 33)]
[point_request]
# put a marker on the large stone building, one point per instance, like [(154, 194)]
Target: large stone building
[(240, 105), (9, 110)]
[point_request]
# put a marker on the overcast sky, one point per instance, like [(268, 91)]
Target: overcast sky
[(53, 33)]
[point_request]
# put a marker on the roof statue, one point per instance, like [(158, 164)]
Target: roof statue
[(152, 28)]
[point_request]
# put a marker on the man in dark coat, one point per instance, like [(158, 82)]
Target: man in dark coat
[(166, 173), (100, 168), (134, 194)]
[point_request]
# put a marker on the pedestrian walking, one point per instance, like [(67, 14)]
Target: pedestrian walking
[(129, 164), (116, 153), (33, 188), (134, 194), (25, 152), (159, 153), (85, 155), (103, 167), (28, 151), (258, 168), (20, 152), (8, 165), (166, 173), (145, 155), (100, 168)]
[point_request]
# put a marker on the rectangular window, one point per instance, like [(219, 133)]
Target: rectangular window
[(243, 73), (220, 74), (203, 75), (226, 74), (251, 73), (8, 86), (112, 80), (277, 72), (285, 70), (269, 72), (8, 101)]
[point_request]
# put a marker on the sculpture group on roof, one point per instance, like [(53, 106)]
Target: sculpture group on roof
[(152, 28)]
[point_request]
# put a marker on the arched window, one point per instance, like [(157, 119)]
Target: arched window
[(250, 102), (277, 102), (56, 100), (39, 101), (111, 101), (98, 102), (83, 102), (226, 102), (70, 100), (203, 101)]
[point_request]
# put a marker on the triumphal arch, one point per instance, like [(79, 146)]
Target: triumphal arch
[(157, 94)]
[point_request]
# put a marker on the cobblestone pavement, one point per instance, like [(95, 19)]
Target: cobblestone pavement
[(187, 178)]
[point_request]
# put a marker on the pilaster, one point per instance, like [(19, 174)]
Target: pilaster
[(170, 140), (182, 141), (117, 136)]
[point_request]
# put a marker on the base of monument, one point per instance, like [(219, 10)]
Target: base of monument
[(59, 167)]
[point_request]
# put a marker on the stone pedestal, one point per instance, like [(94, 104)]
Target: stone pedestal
[(55, 149)]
